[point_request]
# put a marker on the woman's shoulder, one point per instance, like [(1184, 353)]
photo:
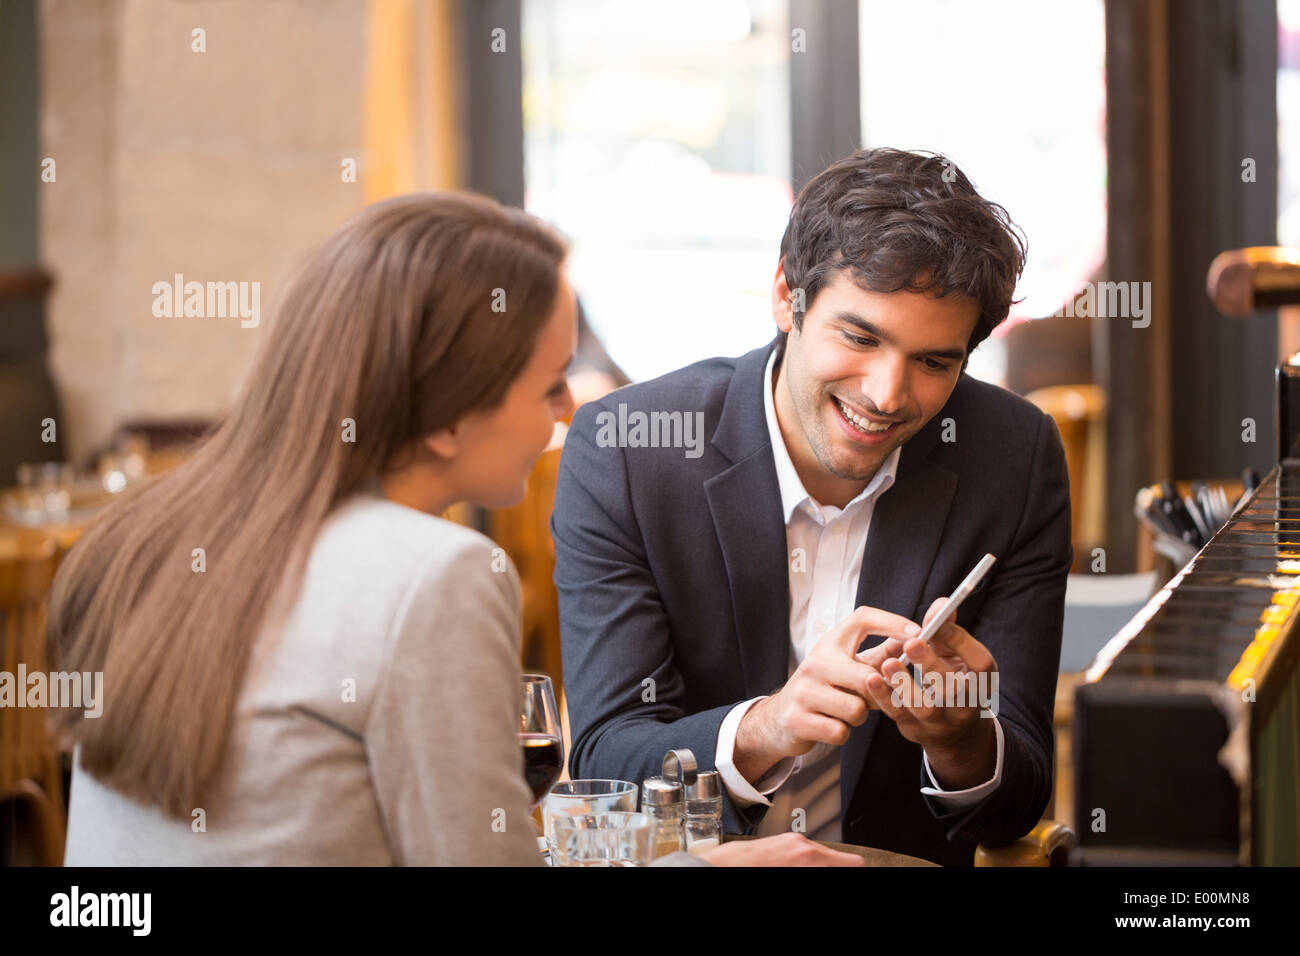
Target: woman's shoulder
[(373, 518), (381, 576), (384, 547)]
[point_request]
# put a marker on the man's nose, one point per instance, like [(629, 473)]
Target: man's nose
[(885, 386)]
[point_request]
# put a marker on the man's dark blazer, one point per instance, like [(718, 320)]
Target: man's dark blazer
[(674, 594)]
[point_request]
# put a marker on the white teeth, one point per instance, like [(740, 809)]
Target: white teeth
[(863, 424)]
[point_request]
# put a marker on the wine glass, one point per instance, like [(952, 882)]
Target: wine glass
[(539, 734)]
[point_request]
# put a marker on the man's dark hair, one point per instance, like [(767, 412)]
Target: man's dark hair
[(902, 220)]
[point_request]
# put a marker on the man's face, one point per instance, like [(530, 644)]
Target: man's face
[(887, 358)]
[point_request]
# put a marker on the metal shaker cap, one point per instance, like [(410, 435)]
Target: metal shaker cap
[(707, 786), (658, 792)]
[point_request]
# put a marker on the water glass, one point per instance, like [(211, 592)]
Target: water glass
[(44, 491), (604, 839), (585, 796)]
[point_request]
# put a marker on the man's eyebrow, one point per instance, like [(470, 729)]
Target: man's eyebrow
[(852, 318)]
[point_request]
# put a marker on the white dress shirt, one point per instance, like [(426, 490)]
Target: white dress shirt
[(825, 547)]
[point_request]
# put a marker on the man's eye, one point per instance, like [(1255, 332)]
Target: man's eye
[(859, 340), (936, 366)]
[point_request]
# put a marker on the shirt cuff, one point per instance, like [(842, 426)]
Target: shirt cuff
[(742, 792), (971, 795)]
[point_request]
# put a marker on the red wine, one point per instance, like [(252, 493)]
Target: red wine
[(542, 762)]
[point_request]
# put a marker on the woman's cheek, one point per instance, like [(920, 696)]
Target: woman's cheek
[(545, 426)]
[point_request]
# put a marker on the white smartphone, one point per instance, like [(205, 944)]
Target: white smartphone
[(954, 601)]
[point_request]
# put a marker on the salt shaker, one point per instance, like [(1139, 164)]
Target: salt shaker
[(703, 812), (662, 801)]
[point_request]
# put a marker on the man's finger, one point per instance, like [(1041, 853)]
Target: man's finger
[(906, 701), (822, 729), (869, 620), (846, 672), (936, 606), (880, 691), (888, 648), (841, 705), (955, 641), (923, 655)]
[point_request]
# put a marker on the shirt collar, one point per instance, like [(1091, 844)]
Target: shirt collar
[(793, 493)]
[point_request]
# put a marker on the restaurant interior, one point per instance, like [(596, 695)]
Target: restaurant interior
[(1148, 149)]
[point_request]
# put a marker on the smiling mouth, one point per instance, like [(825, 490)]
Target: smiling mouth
[(861, 422)]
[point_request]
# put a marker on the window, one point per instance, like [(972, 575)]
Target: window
[(657, 138), (1014, 92)]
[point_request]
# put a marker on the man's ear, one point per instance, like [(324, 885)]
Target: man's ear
[(782, 312), (444, 443)]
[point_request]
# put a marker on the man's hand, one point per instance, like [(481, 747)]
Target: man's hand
[(786, 849), (960, 745), (824, 698)]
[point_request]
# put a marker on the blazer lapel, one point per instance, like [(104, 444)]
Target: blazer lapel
[(904, 537), (745, 502)]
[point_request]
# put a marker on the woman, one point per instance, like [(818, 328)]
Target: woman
[(302, 663)]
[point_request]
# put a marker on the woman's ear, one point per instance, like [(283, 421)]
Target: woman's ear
[(444, 443)]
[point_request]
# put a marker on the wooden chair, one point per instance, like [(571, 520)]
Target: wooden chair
[(1080, 415), (524, 531), (30, 770), (1050, 842), (1047, 844)]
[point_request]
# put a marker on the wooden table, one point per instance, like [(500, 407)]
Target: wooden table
[(16, 537), (87, 501), (16, 540)]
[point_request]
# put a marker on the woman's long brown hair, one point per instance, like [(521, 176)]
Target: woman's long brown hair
[(390, 323)]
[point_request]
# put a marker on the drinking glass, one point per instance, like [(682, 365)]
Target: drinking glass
[(539, 734), (44, 491), (585, 796), (615, 838)]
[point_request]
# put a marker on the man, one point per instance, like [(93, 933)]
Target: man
[(747, 595)]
